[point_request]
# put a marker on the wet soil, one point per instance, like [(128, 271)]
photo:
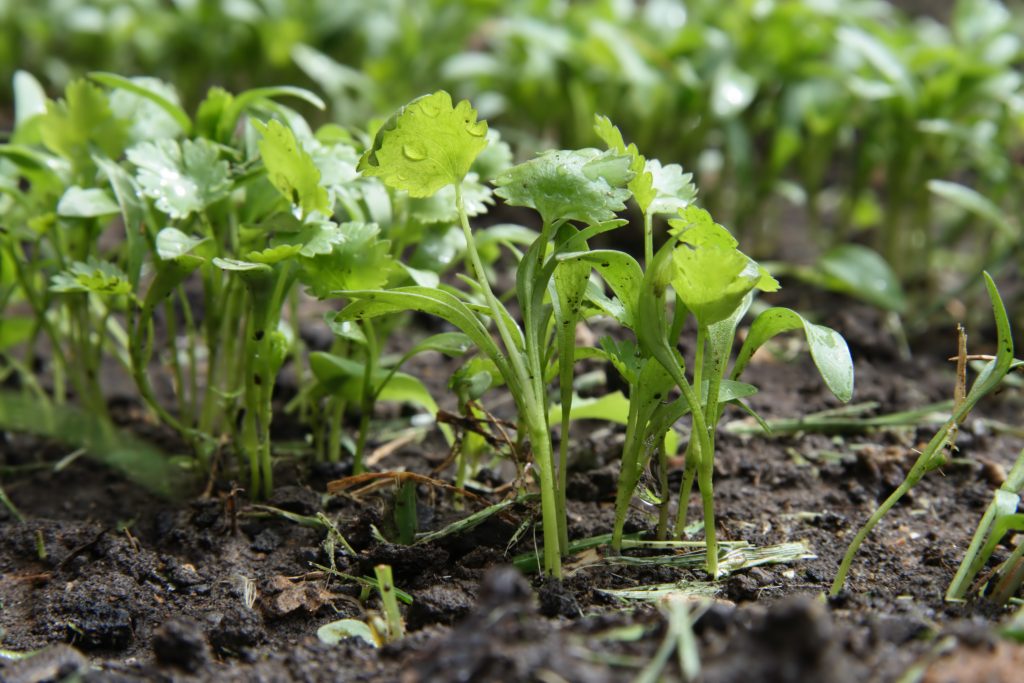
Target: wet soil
[(119, 585)]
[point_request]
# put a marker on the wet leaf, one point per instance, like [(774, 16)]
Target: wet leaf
[(181, 179), (828, 348), (583, 185), (426, 145)]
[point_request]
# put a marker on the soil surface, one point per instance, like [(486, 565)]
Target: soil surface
[(118, 585)]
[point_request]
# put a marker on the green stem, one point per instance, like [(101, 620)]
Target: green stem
[(693, 455), (628, 475), (368, 395), (529, 398), (648, 239), (844, 567)]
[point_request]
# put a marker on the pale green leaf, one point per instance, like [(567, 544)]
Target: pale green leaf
[(172, 243), (181, 179), (673, 190), (584, 185), (828, 348), (90, 202), (973, 201), (336, 631), (290, 168), (426, 145), (150, 106), (862, 273)]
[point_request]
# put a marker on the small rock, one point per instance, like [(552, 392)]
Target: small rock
[(298, 499), (266, 541), (235, 630), (181, 642), (556, 600)]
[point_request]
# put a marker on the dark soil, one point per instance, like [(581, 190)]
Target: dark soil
[(121, 586)]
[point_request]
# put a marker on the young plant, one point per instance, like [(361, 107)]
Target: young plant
[(430, 144), (935, 454), (715, 282), (1000, 518)]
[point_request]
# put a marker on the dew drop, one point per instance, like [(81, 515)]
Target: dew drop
[(477, 130), (414, 152)]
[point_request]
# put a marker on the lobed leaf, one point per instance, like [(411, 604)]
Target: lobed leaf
[(583, 185), (426, 145), (181, 179), (93, 276), (343, 257), (291, 169)]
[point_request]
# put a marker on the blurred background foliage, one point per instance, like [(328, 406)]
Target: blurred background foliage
[(810, 124)]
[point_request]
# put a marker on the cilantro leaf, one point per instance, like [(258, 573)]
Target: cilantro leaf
[(81, 123), (181, 179), (357, 260), (146, 119), (583, 185), (672, 189), (98, 277), (291, 169), (426, 145), (711, 275), (440, 208), (657, 189)]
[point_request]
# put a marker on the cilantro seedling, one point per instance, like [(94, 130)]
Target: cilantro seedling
[(935, 454)]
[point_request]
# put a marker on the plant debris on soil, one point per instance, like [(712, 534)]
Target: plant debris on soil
[(109, 583)]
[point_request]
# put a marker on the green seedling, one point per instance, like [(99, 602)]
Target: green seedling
[(431, 144), (935, 454), (349, 381), (392, 614), (1000, 518)]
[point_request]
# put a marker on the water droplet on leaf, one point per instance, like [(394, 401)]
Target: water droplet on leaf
[(414, 152)]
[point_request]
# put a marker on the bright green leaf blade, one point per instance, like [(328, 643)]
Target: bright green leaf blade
[(974, 202), (80, 125), (828, 349), (858, 271), (426, 145), (173, 110), (371, 304), (290, 168), (231, 108), (357, 259), (90, 202)]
